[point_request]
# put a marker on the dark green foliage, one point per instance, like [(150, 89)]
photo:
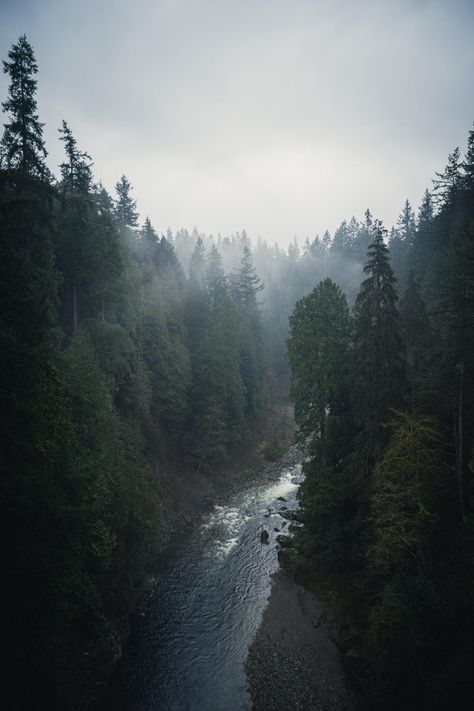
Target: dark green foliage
[(401, 244), (407, 614), (396, 513), (113, 367), (319, 350), (22, 146), (76, 172), (379, 380), (245, 288), (226, 363)]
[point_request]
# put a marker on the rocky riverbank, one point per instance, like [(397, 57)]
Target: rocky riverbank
[(186, 499), (293, 663)]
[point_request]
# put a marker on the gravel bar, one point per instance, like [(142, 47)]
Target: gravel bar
[(293, 663)]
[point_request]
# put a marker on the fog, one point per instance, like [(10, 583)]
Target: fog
[(274, 117)]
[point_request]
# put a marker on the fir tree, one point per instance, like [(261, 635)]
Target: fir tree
[(423, 239), (319, 350), (446, 184), (22, 146), (76, 172), (379, 353), (125, 206), (468, 163), (400, 244)]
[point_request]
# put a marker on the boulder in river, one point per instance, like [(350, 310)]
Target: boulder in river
[(264, 536), (277, 530), (281, 498)]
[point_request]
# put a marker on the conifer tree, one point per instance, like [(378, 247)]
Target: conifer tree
[(423, 238), (22, 146), (77, 244), (400, 244), (197, 264), (379, 379), (468, 163), (245, 287), (319, 349), (76, 172), (103, 200), (125, 206), (446, 184)]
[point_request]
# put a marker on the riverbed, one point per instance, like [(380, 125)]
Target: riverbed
[(191, 639)]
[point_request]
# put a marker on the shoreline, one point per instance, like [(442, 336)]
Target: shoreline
[(293, 662)]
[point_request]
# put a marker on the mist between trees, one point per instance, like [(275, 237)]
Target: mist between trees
[(125, 353)]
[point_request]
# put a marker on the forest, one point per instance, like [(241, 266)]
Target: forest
[(384, 400), (126, 353), (114, 366)]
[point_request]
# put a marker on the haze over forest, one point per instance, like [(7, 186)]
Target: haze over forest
[(279, 118)]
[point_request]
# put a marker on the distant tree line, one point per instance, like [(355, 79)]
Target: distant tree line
[(114, 366), (384, 400)]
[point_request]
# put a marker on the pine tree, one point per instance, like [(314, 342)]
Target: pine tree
[(417, 338), (401, 243), (245, 287), (456, 319), (446, 184), (379, 379), (76, 172), (104, 202), (225, 348), (423, 239), (22, 146), (125, 206), (468, 163), (319, 349), (363, 235), (197, 264), (342, 239), (76, 244), (35, 430)]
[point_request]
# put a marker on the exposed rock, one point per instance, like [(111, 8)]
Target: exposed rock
[(281, 498), (277, 530), (291, 515), (264, 536), (284, 541)]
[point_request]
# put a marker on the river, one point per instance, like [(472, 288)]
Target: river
[(187, 652)]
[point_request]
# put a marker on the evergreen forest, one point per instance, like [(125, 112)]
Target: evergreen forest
[(128, 355)]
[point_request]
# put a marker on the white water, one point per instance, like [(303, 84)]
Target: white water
[(190, 649)]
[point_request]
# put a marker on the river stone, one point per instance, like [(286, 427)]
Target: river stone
[(264, 536)]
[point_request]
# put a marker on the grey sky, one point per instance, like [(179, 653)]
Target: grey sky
[(282, 117)]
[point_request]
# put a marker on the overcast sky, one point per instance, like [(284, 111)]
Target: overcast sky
[(282, 117)]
